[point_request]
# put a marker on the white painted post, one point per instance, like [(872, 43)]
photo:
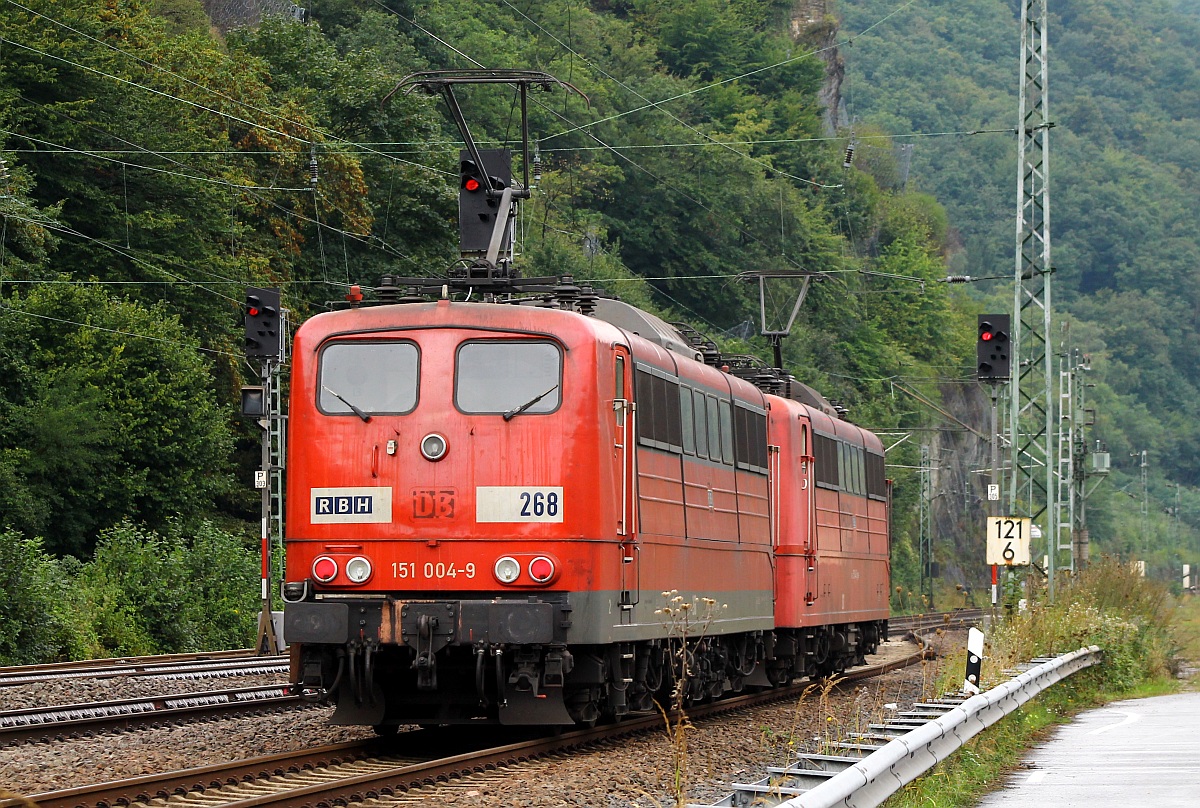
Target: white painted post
[(974, 661)]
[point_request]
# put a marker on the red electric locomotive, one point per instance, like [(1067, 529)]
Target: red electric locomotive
[(486, 503)]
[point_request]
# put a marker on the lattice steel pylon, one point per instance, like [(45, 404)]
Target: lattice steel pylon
[(1032, 488)]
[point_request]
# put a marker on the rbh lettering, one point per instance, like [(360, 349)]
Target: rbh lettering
[(343, 505)]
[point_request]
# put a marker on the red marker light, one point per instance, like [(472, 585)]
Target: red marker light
[(541, 569), (324, 569)]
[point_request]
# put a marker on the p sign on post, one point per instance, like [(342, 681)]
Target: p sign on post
[(1008, 540)]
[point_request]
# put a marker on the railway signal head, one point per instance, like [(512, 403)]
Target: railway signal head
[(470, 177), (254, 401), (479, 188), (262, 323), (993, 349)]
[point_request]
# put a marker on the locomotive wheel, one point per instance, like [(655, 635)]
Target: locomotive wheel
[(820, 656)]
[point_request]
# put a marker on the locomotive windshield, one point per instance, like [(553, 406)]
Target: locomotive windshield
[(507, 377), (372, 377)]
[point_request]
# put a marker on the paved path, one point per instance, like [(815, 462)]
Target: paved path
[(1142, 752)]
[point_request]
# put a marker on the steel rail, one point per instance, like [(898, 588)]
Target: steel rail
[(358, 770), (74, 720), (168, 665)]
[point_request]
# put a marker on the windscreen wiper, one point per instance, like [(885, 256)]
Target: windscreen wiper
[(515, 411), (357, 411)]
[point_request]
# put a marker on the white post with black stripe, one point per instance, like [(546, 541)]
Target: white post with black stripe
[(974, 661)]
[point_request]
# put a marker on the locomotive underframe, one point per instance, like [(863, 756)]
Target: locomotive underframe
[(387, 662)]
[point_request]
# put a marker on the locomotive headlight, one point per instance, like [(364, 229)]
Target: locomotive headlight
[(358, 570), (541, 569), (507, 570), (324, 569), (434, 446)]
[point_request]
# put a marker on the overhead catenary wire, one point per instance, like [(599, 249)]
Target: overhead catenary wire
[(747, 74), (381, 147), (659, 180), (674, 117), (153, 169), (65, 321), (329, 136), (317, 221), (365, 239), (156, 267)]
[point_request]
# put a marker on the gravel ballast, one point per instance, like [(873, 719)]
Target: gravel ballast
[(640, 773)]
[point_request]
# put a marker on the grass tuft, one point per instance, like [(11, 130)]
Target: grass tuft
[(1134, 620)]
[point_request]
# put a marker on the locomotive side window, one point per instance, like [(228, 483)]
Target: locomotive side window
[(701, 422), (688, 420), (672, 415), (876, 483), (750, 431), (372, 377), (726, 433), (825, 451), (714, 430), (659, 420), (501, 377)]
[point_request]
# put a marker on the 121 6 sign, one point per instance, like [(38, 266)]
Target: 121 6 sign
[(1008, 540)]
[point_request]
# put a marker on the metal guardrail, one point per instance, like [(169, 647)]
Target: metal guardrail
[(867, 779)]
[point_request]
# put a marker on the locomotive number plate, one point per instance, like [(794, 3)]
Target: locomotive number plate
[(518, 503)]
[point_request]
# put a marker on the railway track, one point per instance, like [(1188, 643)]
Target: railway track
[(40, 723), (357, 771), (916, 623), (76, 720), (216, 664)]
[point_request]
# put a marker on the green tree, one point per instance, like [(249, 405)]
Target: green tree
[(109, 414)]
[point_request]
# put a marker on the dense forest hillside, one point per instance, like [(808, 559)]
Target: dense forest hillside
[(1124, 97), (156, 164)]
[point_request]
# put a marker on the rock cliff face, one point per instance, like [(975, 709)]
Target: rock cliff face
[(815, 28), (228, 14)]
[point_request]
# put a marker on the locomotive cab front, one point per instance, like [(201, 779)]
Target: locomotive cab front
[(453, 496)]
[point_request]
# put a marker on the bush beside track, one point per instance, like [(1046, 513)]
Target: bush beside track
[(141, 593), (1133, 619)]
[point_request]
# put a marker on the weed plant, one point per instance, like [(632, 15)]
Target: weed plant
[(1108, 605), (687, 622)]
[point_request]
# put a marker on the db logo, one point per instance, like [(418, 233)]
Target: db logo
[(433, 503)]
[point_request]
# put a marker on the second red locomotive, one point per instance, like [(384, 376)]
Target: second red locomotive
[(487, 502)]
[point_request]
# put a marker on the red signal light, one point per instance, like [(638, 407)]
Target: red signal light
[(471, 184), (254, 311), (986, 336)]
